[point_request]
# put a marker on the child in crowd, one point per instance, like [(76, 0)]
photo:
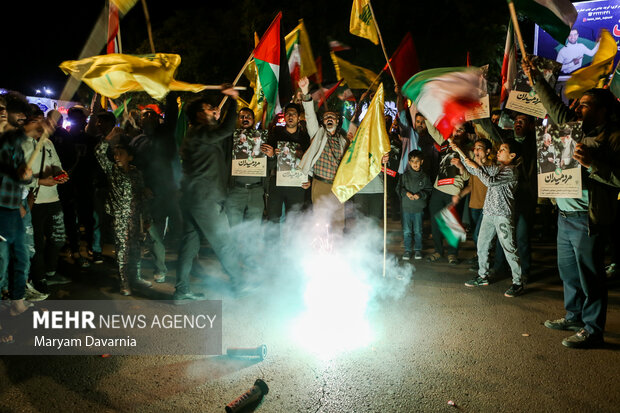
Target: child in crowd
[(498, 214), (124, 204), (414, 188), (477, 191)]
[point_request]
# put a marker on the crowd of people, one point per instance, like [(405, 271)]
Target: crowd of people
[(128, 180)]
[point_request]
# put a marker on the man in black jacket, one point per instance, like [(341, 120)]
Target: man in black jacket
[(205, 175)]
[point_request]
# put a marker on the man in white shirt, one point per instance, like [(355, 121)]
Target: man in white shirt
[(47, 216), (571, 55)]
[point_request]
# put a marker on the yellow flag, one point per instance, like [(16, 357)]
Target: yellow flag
[(241, 104), (124, 5), (362, 23), (355, 76), (299, 35), (113, 74), (362, 161), (595, 74), (257, 104), (258, 99)]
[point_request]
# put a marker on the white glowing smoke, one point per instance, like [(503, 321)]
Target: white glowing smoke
[(336, 301)]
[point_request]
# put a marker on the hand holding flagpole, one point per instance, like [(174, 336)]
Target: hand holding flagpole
[(515, 23), (245, 65)]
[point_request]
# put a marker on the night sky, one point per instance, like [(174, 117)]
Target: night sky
[(53, 32)]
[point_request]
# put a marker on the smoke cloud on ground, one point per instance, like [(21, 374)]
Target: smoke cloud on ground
[(308, 287)]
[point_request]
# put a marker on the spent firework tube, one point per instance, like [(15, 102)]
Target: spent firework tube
[(260, 351), (249, 397)]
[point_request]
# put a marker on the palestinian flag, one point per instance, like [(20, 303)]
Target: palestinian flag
[(444, 95), (267, 59), (450, 225), (556, 17)]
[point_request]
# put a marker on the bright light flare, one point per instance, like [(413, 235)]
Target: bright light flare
[(336, 300)]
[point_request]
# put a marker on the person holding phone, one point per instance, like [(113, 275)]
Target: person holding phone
[(47, 216)]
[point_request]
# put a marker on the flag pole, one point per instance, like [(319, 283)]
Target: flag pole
[(384, 216), (148, 25), (245, 65), (387, 59), (373, 82), (515, 23)]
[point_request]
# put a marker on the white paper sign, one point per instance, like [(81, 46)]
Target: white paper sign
[(559, 175)]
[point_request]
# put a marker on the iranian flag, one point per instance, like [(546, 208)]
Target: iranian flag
[(450, 225), (556, 17), (299, 53), (267, 60), (509, 65), (444, 95)]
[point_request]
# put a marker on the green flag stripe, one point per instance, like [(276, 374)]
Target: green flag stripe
[(366, 15), (545, 18), (269, 84), (452, 239), (290, 49), (413, 88)]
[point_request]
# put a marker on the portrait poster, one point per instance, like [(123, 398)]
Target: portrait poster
[(581, 44), (447, 172), (247, 158), (559, 175), (484, 110), (288, 172), (522, 98)]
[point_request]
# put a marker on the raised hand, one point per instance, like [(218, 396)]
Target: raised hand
[(304, 85)]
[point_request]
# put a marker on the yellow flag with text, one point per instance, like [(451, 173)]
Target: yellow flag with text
[(356, 77), (362, 161), (362, 23), (594, 75), (113, 74)]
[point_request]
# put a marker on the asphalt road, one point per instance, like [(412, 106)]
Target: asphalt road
[(439, 341)]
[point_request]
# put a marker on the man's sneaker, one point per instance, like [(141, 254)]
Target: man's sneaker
[(564, 324), (583, 339), (82, 262), (31, 294), (473, 260), (140, 283), (97, 258), (159, 278), (418, 255), (180, 299), (407, 256), (514, 290), (452, 260), (57, 279), (477, 282), (610, 270)]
